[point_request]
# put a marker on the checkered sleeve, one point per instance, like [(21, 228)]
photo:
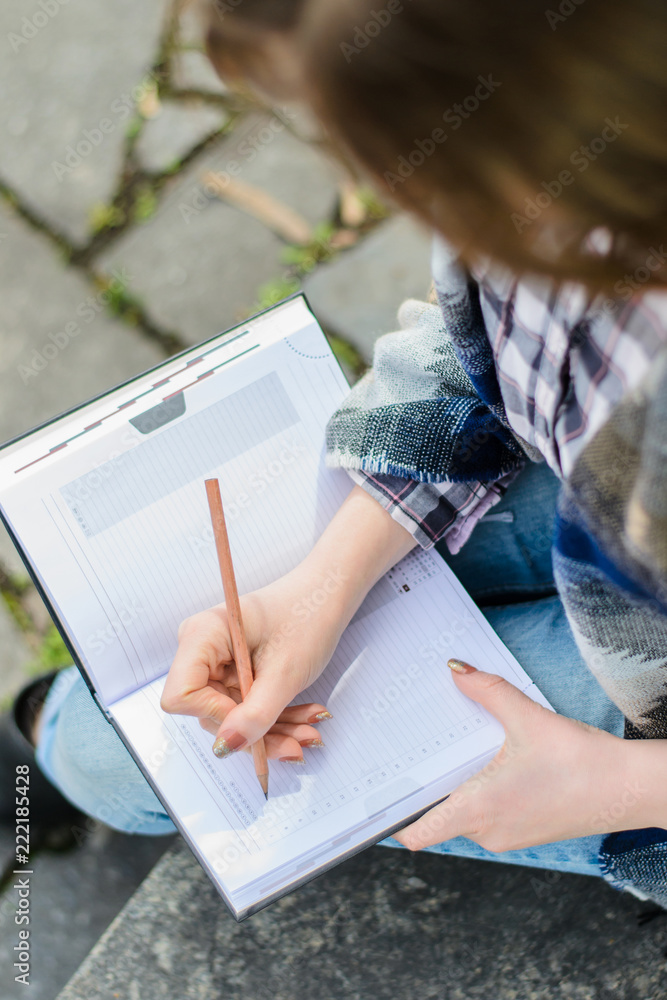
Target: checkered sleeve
[(434, 511)]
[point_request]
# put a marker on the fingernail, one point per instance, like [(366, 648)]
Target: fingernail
[(292, 760), (320, 717), (311, 743), (460, 666), (225, 745)]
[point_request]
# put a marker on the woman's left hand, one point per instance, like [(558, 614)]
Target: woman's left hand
[(554, 778)]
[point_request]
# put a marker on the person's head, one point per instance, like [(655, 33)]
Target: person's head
[(255, 40), (514, 130)]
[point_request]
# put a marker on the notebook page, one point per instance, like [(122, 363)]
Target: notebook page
[(401, 737), (91, 421), (127, 553)]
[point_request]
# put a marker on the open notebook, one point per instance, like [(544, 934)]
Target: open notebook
[(108, 508)]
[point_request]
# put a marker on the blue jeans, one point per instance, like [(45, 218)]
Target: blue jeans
[(505, 565)]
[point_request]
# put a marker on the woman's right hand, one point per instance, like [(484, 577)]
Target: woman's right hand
[(292, 627)]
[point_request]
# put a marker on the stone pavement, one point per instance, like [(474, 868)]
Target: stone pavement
[(144, 206), (384, 924)]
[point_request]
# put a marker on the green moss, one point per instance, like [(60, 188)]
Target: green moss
[(347, 355), (276, 290), (173, 167), (304, 258), (121, 302), (134, 127), (145, 204), (13, 601), (52, 654), (103, 217), (375, 208)]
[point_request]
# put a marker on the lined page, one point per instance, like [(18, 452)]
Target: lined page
[(401, 737)]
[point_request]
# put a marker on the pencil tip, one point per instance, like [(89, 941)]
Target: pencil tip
[(264, 784)]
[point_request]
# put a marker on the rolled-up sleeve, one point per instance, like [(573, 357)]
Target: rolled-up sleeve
[(432, 512)]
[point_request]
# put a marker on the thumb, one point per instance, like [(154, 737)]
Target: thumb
[(510, 706), (253, 717)]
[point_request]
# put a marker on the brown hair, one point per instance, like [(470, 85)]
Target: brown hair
[(240, 32), (513, 130)]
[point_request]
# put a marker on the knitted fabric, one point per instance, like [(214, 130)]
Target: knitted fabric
[(432, 392), (420, 412)]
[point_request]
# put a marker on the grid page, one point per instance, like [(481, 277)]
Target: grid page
[(401, 736)]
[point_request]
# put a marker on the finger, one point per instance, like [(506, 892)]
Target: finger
[(271, 691), (312, 713), (457, 816), (204, 644), (510, 706), (304, 735), (277, 745), (280, 746)]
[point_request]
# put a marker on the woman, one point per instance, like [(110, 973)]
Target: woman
[(531, 142)]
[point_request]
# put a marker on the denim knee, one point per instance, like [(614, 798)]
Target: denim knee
[(82, 754)]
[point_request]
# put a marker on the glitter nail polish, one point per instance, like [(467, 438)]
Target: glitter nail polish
[(320, 717), (460, 666), (226, 745)]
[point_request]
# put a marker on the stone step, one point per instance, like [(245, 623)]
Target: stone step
[(387, 924), (74, 896)]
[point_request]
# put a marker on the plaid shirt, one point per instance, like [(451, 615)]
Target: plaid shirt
[(563, 359)]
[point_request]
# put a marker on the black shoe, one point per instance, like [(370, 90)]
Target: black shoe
[(48, 808)]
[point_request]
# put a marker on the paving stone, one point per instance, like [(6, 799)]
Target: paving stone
[(15, 654), (74, 896), (63, 74), (385, 924), (198, 263), (357, 294), (191, 23), (192, 70), (287, 168), (40, 299), (174, 132), (304, 124)]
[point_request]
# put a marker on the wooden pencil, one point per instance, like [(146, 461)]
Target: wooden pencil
[(239, 643)]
